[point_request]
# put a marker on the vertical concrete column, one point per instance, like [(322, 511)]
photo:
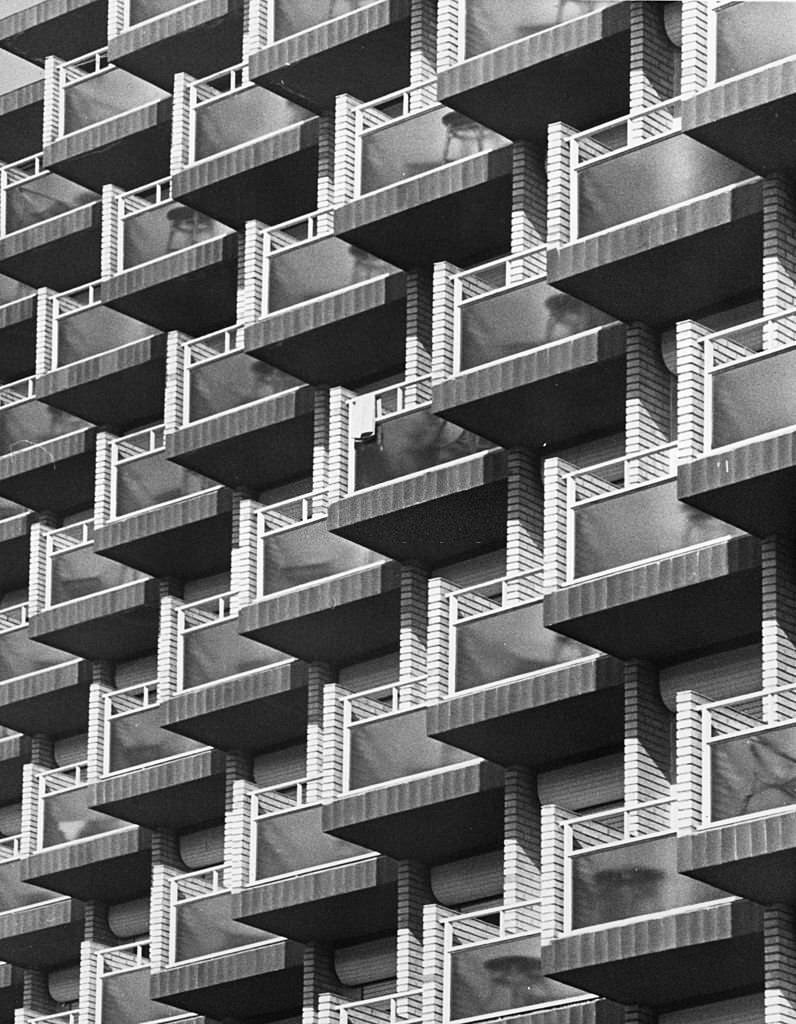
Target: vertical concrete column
[(245, 553), (778, 557), (522, 839), (412, 657), (332, 754), (168, 646), (648, 731), (439, 639), (320, 449), (689, 761), (345, 148), (251, 273), (524, 524), (779, 257), (338, 442), (103, 473), (653, 67), (180, 153), (101, 684), (559, 158), (449, 33), (53, 100), (419, 325), (255, 27), (691, 410), (556, 521), (648, 402), (422, 51), (319, 675), (528, 198), (414, 892), (552, 881), (174, 407), (321, 989), (695, 49), (42, 524), (443, 323), (238, 783), (779, 945), (166, 864), (325, 201), (45, 331), (434, 917), (110, 235)]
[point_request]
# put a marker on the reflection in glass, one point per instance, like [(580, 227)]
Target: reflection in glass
[(489, 24), (750, 35), (167, 227), (753, 397), (308, 552), (291, 16), (753, 773), (106, 94), (240, 116)]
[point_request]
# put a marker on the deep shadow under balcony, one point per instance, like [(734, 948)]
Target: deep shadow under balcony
[(66, 29), (14, 546), (14, 755), (20, 121), (18, 336), (575, 70), (38, 695), (43, 936), (315, 53), (60, 252)]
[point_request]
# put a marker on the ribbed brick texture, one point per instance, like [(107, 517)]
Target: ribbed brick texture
[(168, 647), (522, 852), (433, 961), (778, 556), (166, 864), (553, 870), (443, 322), (41, 760), (320, 445), (101, 683), (779, 257), (648, 735), (333, 727), (110, 245), (525, 522), (338, 442), (413, 633), (237, 821), (449, 16), (243, 564), (53, 100), (326, 197), (344, 148), (175, 393), (255, 27), (648, 394), (419, 326), (640, 1015), (413, 892), (251, 271), (558, 183), (695, 74), (180, 153), (528, 197), (36, 995), (554, 475), (102, 477), (422, 51), (45, 331), (779, 939), (689, 761), (438, 644), (690, 390), (97, 936), (117, 17), (43, 524), (318, 676), (321, 989), (652, 67)]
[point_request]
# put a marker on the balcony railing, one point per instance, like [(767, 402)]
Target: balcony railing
[(398, 1008), (385, 737), (287, 837), (29, 194), (83, 327), (142, 478), (218, 375), (639, 165), (749, 752), (64, 815), (74, 570), (497, 634), (123, 988), (304, 262), (210, 649), (749, 371), (626, 512), (135, 12), (748, 36), (152, 225), (289, 17), (19, 655), (25, 422), (506, 307), (14, 892), (65, 1017), (14, 291), (493, 964), (93, 91), (484, 25), (201, 924), (393, 433), (227, 111), (405, 134), (623, 863), (132, 735)]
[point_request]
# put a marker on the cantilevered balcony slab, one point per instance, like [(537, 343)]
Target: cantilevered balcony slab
[(703, 598), (193, 290), (129, 150), (364, 53), (110, 867), (21, 112), (14, 754), (230, 714), (549, 396), (576, 73), (180, 793), (185, 539), (344, 338), (755, 858), (446, 512), (56, 475), (44, 935), (198, 38), (119, 388), (14, 551), (18, 338), (575, 711), (270, 179), (707, 250), (752, 486), (261, 980), (458, 212), (695, 954), (66, 28), (331, 905), (53, 701), (59, 253), (115, 624), (743, 117), (343, 619), (433, 818), (257, 445)]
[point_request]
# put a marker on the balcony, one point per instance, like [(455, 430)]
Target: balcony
[(430, 184), (239, 420), (247, 153), (49, 226), (123, 988), (18, 304), (222, 966), (354, 46), (752, 88), (531, 365), (107, 125), (519, 693), (649, 578), (156, 38), (163, 519), (99, 364), (174, 266), (320, 597), (398, 1008), (20, 121), (572, 58), (14, 755), (43, 935), (306, 883), (17, 894), (418, 483), (64, 814), (748, 473), (748, 834), (14, 545), (92, 607), (492, 965), (323, 304), (39, 29), (648, 202)]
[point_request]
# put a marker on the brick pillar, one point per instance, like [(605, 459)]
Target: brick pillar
[(652, 66), (778, 556), (116, 18), (414, 892), (522, 853), (413, 633), (554, 474), (318, 676), (168, 646), (648, 728), (244, 556), (338, 442), (443, 322), (438, 641), (525, 523), (36, 999), (779, 257), (434, 917), (251, 272), (779, 958), (43, 524), (528, 197), (237, 820), (332, 754), (53, 100), (102, 477), (174, 399), (166, 864), (180, 155), (101, 684), (110, 251), (553, 870), (695, 74), (325, 194), (321, 988), (558, 183), (345, 145), (45, 331), (689, 761), (690, 390), (648, 395), (255, 28), (41, 760), (96, 937), (419, 329), (320, 446), (449, 49), (422, 50)]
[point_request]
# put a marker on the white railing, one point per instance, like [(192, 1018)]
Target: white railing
[(10, 848), (57, 542), (189, 888), (198, 352), (290, 234), (206, 91), (121, 704), (14, 617), (398, 1008), (130, 957), (284, 796), (62, 1017), (491, 596), (270, 28), (136, 201), (366, 411), (65, 304), (90, 65), (54, 782), (132, 448), (13, 174), (16, 392), (283, 516)]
